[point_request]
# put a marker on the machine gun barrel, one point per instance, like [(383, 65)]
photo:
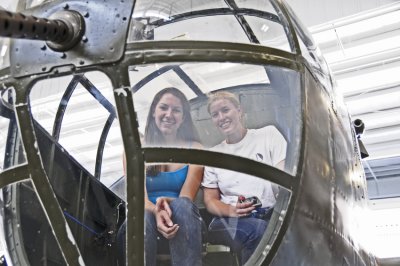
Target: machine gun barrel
[(61, 31)]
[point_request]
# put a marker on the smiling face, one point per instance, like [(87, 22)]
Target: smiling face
[(226, 117), (168, 115)]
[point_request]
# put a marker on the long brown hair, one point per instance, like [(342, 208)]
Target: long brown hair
[(152, 134)]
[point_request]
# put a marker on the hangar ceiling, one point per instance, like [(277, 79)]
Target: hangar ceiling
[(361, 43), (315, 12)]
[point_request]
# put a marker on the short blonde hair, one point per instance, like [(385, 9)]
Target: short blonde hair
[(219, 95)]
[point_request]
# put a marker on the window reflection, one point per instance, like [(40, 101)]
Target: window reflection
[(171, 218), (243, 110), (169, 8), (11, 149), (269, 33), (242, 204), (256, 4), (241, 21), (4, 125), (92, 212), (172, 186), (239, 211), (268, 104), (206, 30), (78, 112)]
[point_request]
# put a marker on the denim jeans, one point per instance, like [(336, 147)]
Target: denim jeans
[(185, 248), (241, 234)]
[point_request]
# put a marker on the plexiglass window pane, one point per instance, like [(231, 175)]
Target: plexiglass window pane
[(257, 117), (4, 124), (207, 76), (256, 4), (92, 212), (4, 52), (83, 123), (45, 99), (169, 8), (269, 33), (267, 107), (311, 52), (243, 22), (213, 28), (11, 150), (82, 127)]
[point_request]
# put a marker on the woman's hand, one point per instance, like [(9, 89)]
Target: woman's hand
[(243, 209), (163, 215)]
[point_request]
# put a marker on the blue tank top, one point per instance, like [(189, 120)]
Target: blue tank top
[(166, 184)]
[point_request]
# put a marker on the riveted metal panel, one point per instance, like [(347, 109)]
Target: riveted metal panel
[(106, 26)]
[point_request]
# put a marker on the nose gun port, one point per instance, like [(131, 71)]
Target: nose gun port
[(359, 128)]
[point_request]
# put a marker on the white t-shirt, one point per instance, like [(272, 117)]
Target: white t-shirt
[(264, 145)]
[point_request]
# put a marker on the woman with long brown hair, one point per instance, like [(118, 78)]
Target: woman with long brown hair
[(170, 214)]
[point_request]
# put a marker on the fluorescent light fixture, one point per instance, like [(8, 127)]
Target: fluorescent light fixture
[(359, 35), (264, 28), (150, 14), (3, 50), (381, 119), (366, 48), (353, 19), (368, 80), (375, 103), (382, 135), (370, 25)]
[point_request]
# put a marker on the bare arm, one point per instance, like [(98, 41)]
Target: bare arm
[(212, 200), (193, 179), (148, 205), (275, 187), (281, 165), (161, 211), (192, 182)]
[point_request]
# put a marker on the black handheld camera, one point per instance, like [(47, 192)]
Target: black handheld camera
[(255, 200)]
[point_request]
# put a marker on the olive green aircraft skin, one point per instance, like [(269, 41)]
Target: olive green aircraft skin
[(310, 224)]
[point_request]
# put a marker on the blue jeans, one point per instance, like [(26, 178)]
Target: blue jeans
[(242, 235), (185, 248)]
